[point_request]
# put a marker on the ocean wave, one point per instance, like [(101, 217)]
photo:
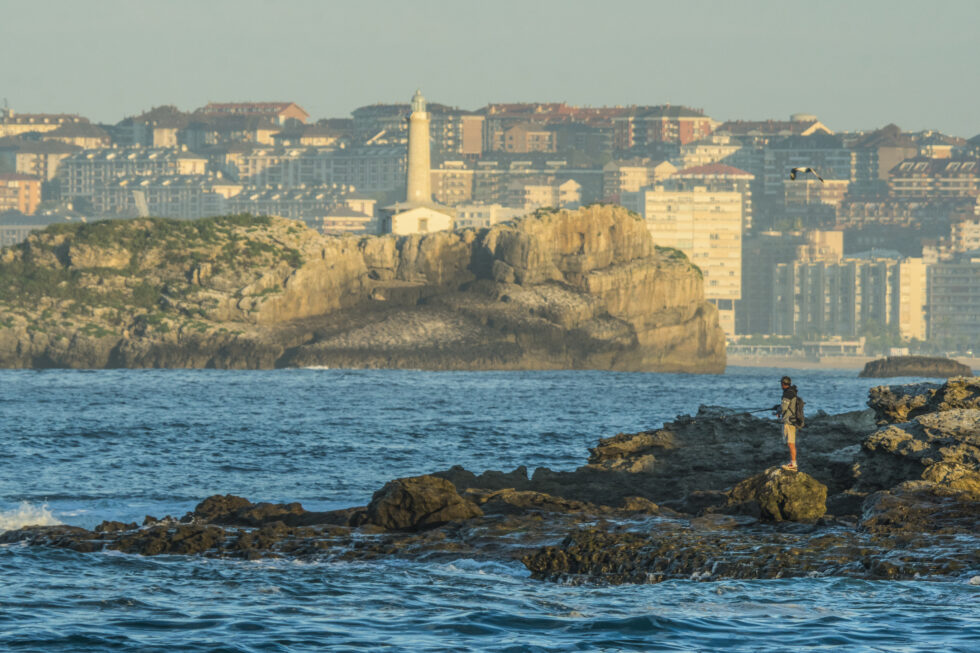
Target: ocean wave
[(26, 514)]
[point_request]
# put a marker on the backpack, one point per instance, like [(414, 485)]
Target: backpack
[(796, 412)]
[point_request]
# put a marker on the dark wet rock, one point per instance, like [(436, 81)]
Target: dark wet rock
[(900, 403), (183, 539), (510, 501), (601, 556), (418, 502), (922, 507), (902, 499), (115, 527), (60, 536), (687, 463), (929, 366), (220, 508), (906, 451), (488, 480), (230, 510), (780, 495)]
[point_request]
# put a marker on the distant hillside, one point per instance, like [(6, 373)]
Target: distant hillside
[(567, 289)]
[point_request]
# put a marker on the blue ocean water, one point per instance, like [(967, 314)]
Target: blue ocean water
[(82, 446)]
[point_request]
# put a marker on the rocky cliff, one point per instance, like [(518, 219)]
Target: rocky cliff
[(581, 289)]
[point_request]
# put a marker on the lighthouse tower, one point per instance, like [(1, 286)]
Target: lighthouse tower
[(418, 214), (419, 182)]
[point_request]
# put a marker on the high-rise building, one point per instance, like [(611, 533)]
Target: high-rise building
[(953, 311), (19, 193), (760, 255), (844, 298), (707, 227)]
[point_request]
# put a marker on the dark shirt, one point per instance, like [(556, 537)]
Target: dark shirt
[(784, 408)]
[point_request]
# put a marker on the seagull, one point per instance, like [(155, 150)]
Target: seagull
[(792, 173)]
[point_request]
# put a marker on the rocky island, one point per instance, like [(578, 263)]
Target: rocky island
[(888, 493), (928, 366), (564, 289)]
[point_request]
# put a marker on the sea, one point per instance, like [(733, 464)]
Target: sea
[(78, 447)]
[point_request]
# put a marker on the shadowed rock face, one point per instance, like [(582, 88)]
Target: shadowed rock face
[(418, 503), (573, 289), (915, 366), (780, 495)]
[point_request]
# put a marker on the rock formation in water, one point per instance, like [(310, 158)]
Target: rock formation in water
[(580, 289), (895, 500), (928, 366)]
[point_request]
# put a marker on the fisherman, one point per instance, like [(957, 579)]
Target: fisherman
[(785, 411)]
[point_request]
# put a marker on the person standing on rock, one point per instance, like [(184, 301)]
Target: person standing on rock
[(785, 411)]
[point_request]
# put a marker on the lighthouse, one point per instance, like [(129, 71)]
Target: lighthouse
[(418, 214), (419, 177)]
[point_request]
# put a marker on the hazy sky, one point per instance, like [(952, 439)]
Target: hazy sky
[(856, 64)]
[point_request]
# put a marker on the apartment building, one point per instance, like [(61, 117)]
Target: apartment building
[(493, 176), (875, 155), (83, 172), (342, 219), (719, 147), (34, 158), (15, 227), (584, 128), (812, 203), (761, 253), (526, 137), (453, 131), (452, 182), (478, 216), (965, 235), (15, 124), (369, 169), (826, 153), (707, 227), (935, 179), (632, 175), (717, 178), (81, 134), (824, 298), (20, 193), (185, 197), (643, 127), (532, 193), (297, 203), (279, 112), (799, 124), (159, 127), (953, 311)]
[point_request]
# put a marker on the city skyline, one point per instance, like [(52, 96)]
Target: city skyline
[(857, 68)]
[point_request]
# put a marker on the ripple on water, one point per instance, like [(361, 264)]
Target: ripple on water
[(140, 442)]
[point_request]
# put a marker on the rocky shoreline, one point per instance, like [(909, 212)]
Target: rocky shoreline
[(892, 492)]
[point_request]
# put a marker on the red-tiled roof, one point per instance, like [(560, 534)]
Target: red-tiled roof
[(712, 169)]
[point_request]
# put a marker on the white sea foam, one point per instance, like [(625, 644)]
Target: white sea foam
[(974, 581), (26, 514)]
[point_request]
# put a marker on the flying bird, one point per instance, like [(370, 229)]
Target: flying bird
[(803, 171)]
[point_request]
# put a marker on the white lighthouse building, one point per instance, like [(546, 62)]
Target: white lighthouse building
[(418, 213)]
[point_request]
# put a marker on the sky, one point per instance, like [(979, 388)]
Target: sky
[(856, 65)]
